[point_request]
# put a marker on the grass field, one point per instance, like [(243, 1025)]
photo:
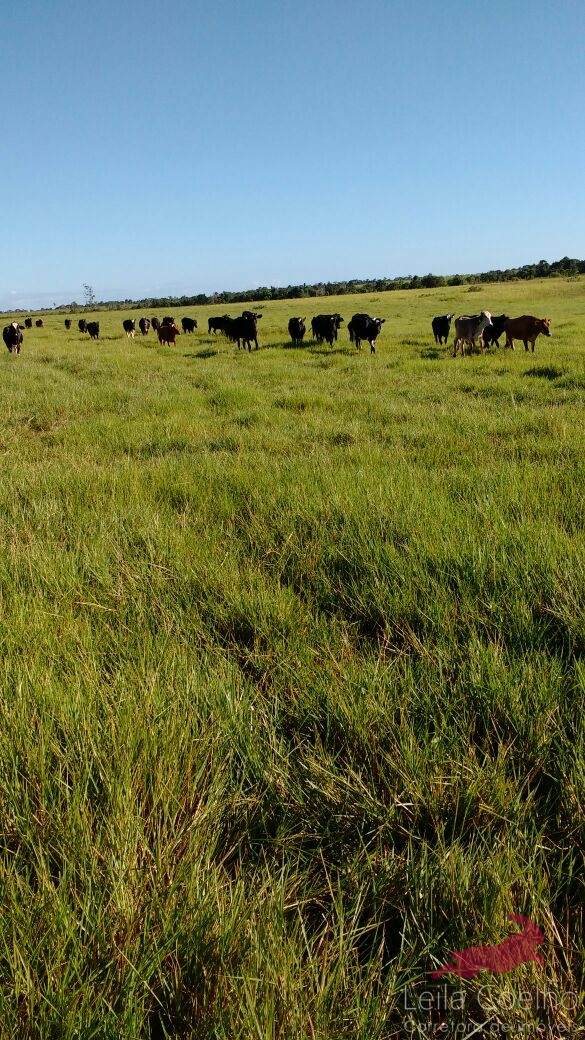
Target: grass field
[(293, 668)]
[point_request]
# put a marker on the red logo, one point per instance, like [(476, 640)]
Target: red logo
[(516, 949)]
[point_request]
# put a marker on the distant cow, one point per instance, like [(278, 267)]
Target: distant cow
[(155, 324), (129, 326), (168, 334), (144, 325), (168, 320), (362, 326), (491, 334), (93, 327), (39, 323), (68, 323), (217, 324), (28, 323), (325, 327), (442, 327), (526, 328), (243, 330), (12, 336), (296, 330), (82, 325), (468, 328), (188, 324)]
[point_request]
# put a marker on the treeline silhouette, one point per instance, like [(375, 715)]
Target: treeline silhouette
[(566, 267)]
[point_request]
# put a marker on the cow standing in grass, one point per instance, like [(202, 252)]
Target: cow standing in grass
[(168, 334), (468, 329), (441, 327), (527, 328), (12, 336), (296, 330)]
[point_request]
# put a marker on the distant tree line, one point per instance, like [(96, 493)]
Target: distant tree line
[(566, 267)]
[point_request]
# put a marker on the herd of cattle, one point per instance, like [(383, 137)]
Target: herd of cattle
[(486, 330), (483, 330)]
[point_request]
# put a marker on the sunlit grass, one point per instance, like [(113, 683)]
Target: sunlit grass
[(292, 672)]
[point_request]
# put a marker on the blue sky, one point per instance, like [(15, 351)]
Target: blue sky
[(185, 147)]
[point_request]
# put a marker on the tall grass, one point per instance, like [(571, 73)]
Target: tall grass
[(292, 676)]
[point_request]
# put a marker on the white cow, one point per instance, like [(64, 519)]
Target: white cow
[(468, 328)]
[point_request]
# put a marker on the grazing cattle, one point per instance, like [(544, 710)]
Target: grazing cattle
[(93, 327), (67, 323), (12, 337), (39, 323), (442, 327), (362, 326), (491, 334), (217, 324), (526, 328), (168, 334), (188, 324), (168, 320), (243, 330), (144, 325), (296, 330), (468, 328), (325, 327), (28, 323), (155, 324), (129, 326), (82, 325)]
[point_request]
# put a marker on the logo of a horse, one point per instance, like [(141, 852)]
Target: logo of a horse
[(516, 949)]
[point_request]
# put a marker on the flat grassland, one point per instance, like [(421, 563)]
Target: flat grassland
[(293, 667)]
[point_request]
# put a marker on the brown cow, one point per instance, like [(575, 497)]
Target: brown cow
[(168, 334), (526, 328)]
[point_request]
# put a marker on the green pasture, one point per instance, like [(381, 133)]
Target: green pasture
[(293, 670)]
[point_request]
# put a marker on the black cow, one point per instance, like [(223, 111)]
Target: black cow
[(82, 325), (243, 330), (93, 327), (492, 333), (129, 327), (67, 323), (325, 327), (144, 325), (168, 320), (155, 324), (39, 323), (442, 327), (296, 330), (188, 324), (28, 323), (365, 327), (217, 324), (12, 337)]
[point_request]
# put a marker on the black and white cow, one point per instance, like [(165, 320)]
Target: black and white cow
[(362, 326), (12, 336), (442, 327), (296, 330)]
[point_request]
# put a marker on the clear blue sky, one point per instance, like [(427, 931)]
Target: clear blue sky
[(183, 147)]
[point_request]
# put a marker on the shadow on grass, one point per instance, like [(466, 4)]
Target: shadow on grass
[(545, 372), (432, 354), (203, 354), (330, 351)]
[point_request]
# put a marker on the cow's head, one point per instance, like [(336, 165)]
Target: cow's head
[(546, 327)]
